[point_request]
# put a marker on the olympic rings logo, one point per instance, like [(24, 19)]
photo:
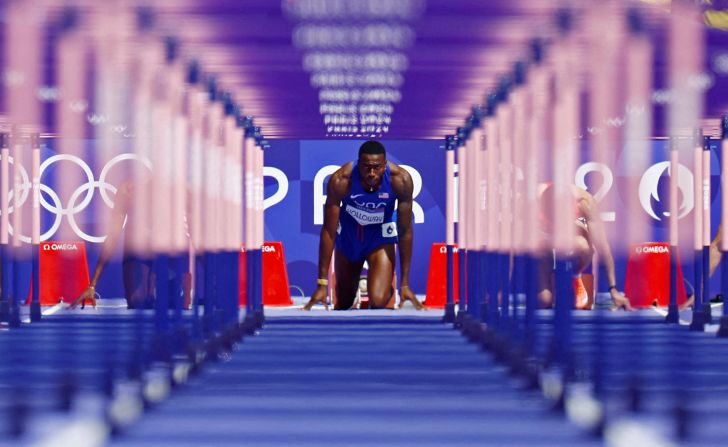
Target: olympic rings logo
[(79, 200)]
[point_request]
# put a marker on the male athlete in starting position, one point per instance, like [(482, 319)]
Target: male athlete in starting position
[(358, 218)]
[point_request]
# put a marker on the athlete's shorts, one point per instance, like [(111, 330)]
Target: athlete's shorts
[(355, 242)]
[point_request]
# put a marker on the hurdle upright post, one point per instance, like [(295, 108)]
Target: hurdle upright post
[(238, 224), (519, 136), (208, 186), (35, 312), (4, 226), (723, 329), (197, 105), (504, 118), (449, 316), (685, 55), (706, 309), (673, 314), (17, 243), (478, 221), (249, 217), (540, 99), (463, 256), (180, 92), (259, 227), (566, 115), (487, 190), (225, 213), (490, 259), (161, 154), (698, 320)]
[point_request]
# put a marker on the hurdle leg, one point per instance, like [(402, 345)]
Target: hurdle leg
[(161, 305), (698, 321), (505, 289), (14, 317), (208, 321), (35, 313), (705, 307), (464, 280), (473, 319), (563, 305), (5, 279), (531, 303), (475, 296), (449, 315), (673, 315), (723, 328), (259, 311), (516, 283), (4, 225)]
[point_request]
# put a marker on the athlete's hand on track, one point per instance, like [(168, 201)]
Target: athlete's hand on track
[(406, 294), (88, 294), (319, 296), (619, 301)]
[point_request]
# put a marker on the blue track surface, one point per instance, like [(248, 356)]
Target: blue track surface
[(364, 378), (355, 381)]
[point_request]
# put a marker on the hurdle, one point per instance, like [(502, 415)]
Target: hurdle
[(4, 224), (723, 331), (139, 363), (539, 97), (565, 112), (146, 356), (168, 111), (475, 137), (463, 155), (449, 316), (700, 248), (707, 317), (519, 100)]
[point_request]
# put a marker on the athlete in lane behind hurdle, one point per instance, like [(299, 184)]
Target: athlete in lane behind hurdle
[(358, 220), (138, 275), (589, 237)]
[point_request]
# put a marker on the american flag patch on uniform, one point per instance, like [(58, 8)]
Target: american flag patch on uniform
[(383, 195)]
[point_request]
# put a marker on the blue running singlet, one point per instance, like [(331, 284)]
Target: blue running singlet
[(366, 219)]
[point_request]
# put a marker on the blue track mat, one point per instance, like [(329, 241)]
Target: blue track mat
[(359, 379), (363, 378)]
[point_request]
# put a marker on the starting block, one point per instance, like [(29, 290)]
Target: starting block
[(275, 276), (63, 272), (436, 294), (647, 281)]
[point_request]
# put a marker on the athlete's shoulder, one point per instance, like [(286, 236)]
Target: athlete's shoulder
[(397, 171), (340, 181), (343, 174), (401, 180)]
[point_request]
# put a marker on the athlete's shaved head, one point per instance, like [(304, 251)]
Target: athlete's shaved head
[(372, 147)]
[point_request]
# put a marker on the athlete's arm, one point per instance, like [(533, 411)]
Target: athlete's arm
[(588, 207), (715, 254), (335, 192), (403, 189), (116, 225), (332, 207)]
